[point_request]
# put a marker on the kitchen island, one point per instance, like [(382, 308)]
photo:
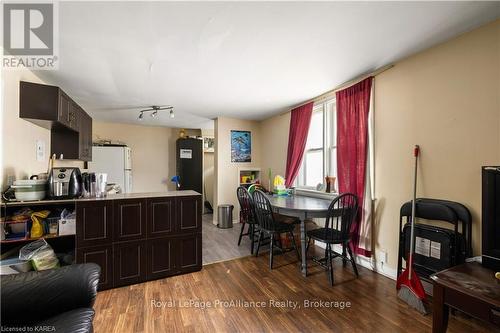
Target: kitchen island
[(134, 237)]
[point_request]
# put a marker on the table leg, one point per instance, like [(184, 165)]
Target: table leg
[(303, 266), (440, 310)]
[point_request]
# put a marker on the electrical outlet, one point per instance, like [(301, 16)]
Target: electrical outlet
[(382, 255), (40, 151)]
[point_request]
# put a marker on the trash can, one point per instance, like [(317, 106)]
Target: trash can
[(225, 216)]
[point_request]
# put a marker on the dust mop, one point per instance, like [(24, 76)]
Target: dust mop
[(409, 285)]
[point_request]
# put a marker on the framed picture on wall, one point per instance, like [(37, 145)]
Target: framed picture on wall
[(241, 146)]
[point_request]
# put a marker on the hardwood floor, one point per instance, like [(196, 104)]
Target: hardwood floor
[(221, 244), (374, 304)]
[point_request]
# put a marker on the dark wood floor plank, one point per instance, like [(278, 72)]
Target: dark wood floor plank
[(375, 306)]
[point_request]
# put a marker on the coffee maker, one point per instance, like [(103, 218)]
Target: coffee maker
[(65, 183)]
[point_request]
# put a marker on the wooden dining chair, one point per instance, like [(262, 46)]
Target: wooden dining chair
[(341, 214), (272, 224), (247, 217)]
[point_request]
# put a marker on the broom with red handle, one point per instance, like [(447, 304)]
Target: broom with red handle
[(409, 285)]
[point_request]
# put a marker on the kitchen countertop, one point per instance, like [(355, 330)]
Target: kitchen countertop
[(120, 196)]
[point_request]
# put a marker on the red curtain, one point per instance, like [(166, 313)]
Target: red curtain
[(297, 138), (353, 105)]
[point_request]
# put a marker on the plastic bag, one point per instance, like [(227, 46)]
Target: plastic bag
[(41, 254), (37, 218)]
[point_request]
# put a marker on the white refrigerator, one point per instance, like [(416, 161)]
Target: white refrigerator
[(116, 161)]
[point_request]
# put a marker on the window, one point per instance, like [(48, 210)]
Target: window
[(320, 155)]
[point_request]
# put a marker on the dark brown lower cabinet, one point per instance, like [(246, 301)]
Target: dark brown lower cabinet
[(94, 223), (188, 252), (136, 240), (129, 261), (161, 255), (102, 256)]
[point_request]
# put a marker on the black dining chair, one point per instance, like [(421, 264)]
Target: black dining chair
[(272, 224), (247, 216), (341, 214)]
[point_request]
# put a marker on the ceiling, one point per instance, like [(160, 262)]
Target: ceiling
[(246, 60)]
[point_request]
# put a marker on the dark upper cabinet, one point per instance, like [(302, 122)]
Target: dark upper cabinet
[(189, 213), (161, 217), (129, 262), (94, 223), (51, 108), (102, 256), (63, 108), (44, 105), (129, 219), (85, 136)]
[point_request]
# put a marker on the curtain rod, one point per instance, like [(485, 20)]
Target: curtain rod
[(342, 86)]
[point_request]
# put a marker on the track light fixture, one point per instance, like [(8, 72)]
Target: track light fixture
[(154, 111)]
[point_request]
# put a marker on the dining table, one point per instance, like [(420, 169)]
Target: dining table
[(302, 207)]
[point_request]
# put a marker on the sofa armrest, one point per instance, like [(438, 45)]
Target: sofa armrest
[(30, 297)]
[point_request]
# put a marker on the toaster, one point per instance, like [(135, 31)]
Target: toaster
[(65, 183)]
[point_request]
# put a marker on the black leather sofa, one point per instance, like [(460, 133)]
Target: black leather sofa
[(56, 300)]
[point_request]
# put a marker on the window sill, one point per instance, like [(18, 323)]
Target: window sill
[(315, 194)]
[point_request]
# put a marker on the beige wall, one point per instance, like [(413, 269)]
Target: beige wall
[(153, 148), (226, 172), (208, 170), (19, 136), (274, 135), (208, 177), (153, 152), (446, 99)]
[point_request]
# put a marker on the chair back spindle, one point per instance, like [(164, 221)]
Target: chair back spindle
[(341, 214), (263, 211), (246, 205)]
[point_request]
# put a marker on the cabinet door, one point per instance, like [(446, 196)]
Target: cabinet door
[(161, 216), (65, 107), (161, 258), (129, 219), (188, 253), (93, 223), (88, 137), (102, 256), (85, 136), (189, 214), (74, 116), (129, 262)]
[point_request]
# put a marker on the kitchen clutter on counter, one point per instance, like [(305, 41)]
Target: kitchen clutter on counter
[(60, 183)]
